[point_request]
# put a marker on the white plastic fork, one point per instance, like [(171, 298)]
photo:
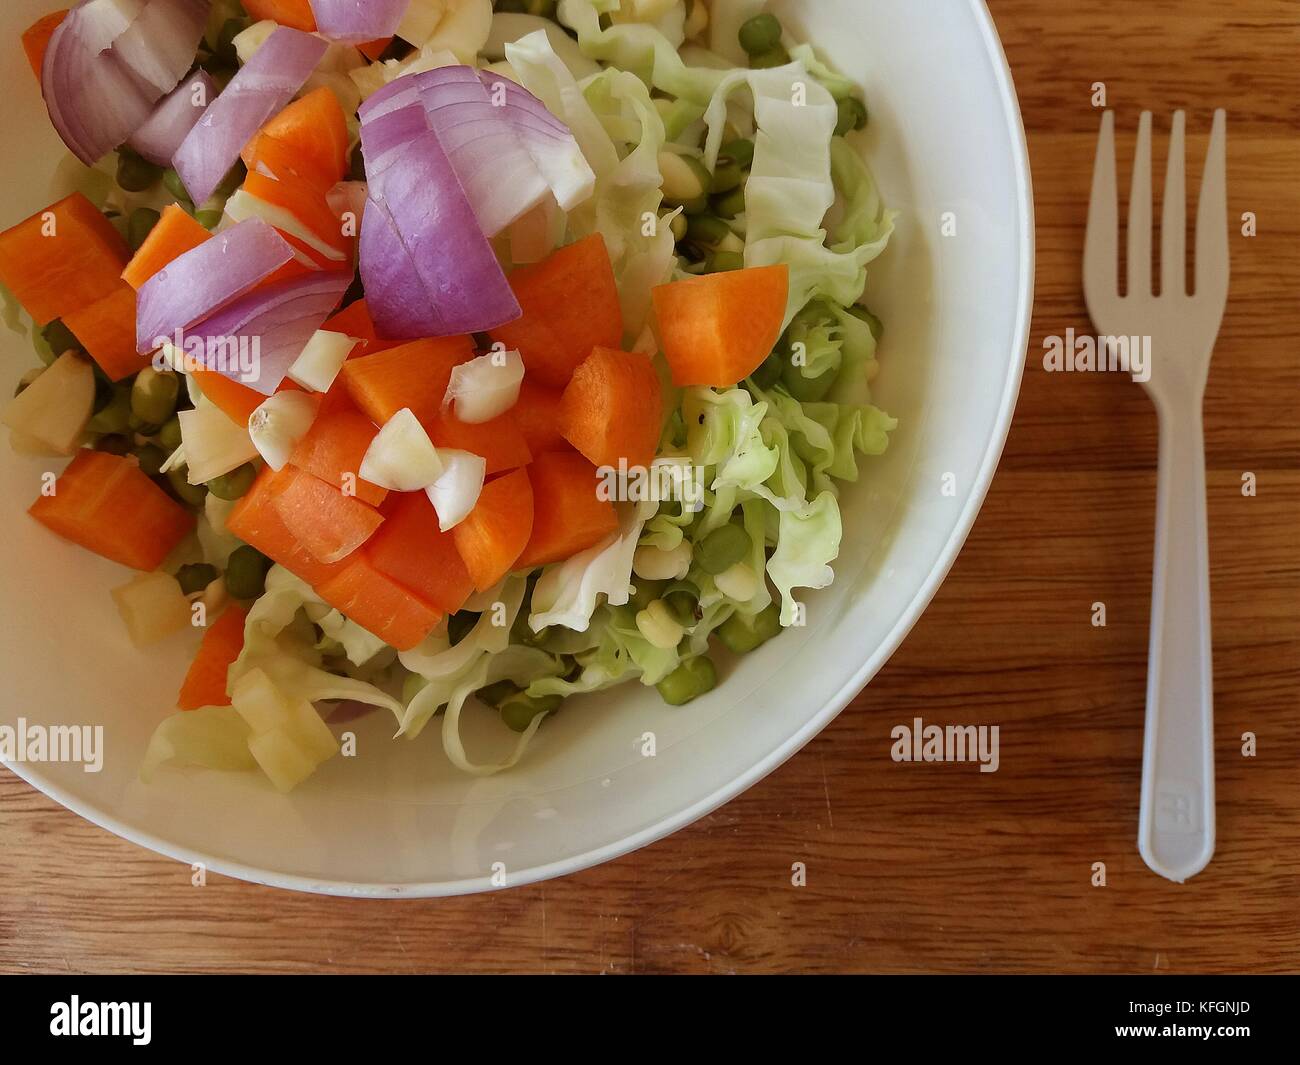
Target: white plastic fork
[(1176, 820)]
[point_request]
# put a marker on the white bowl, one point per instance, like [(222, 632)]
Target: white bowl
[(945, 136)]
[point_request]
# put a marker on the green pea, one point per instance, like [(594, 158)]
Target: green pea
[(115, 417), (113, 444), (224, 49), (682, 598), (807, 389), (740, 152), (707, 230), (209, 219), (680, 225), (235, 484), (234, 178), (688, 681), (173, 183), (103, 395), (60, 339), (519, 710), (496, 694), (722, 261), (135, 174), (722, 549), (140, 225), (696, 206), (769, 372), (191, 495), (851, 114), (246, 573), (777, 57), (760, 34), (151, 459), (153, 396), (731, 204), (460, 624), (195, 577), (876, 326), (686, 180), (741, 634), (646, 592), (726, 176), (169, 436)]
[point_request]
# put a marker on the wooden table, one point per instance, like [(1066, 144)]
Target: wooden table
[(931, 867)]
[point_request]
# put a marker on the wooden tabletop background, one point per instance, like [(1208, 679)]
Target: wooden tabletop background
[(935, 867)]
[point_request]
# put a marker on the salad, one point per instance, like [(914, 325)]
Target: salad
[(442, 354)]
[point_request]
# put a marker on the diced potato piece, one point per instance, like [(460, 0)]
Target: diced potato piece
[(213, 443), (152, 607), (281, 759), (54, 409), (259, 702), (311, 732)]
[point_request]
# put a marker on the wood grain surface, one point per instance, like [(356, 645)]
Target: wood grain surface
[(932, 867)]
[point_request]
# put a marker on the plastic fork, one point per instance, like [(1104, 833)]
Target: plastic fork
[(1176, 820)]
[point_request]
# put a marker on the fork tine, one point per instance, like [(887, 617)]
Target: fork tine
[(1139, 214), (1212, 213), (1173, 224), (1101, 244)]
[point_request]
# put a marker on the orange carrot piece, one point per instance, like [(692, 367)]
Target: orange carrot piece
[(568, 514), (106, 328), (333, 449), (570, 305), (500, 441), (37, 36), (62, 258), (613, 408), (295, 13), (716, 330), (307, 140), (355, 321), (411, 549), (379, 604), (413, 375), (537, 413), (257, 522), (372, 50), (497, 529), (109, 506), (236, 400), (328, 523), (307, 203), (207, 679), (174, 234)]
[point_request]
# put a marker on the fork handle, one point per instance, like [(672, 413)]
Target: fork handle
[(1176, 822)]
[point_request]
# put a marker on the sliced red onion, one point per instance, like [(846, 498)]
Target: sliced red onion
[(358, 21), (489, 156), (257, 93), (173, 118), (203, 281), (427, 268), (109, 63), (272, 324), (553, 149), (161, 42)]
